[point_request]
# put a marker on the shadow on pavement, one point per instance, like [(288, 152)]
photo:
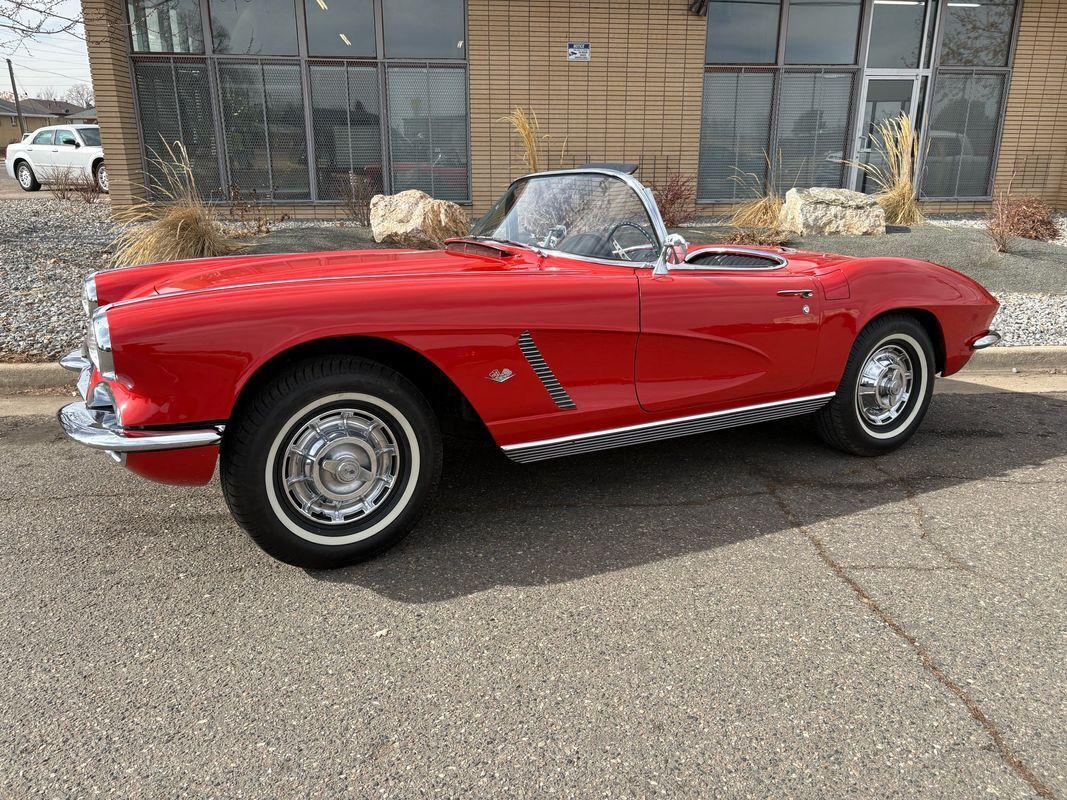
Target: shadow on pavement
[(497, 523)]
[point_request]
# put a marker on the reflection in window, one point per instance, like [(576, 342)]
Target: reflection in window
[(340, 28), (174, 102), (978, 34), (812, 128), (422, 29), (166, 26), (735, 124), (822, 31), (348, 146), (428, 130), (896, 35), (958, 161), (254, 27), (742, 31), (264, 122)]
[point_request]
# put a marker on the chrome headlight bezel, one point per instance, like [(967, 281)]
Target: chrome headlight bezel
[(89, 296), (99, 342)]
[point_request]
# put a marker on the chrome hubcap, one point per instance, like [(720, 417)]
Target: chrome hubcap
[(102, 178), (885, 384), (24, 176), (340, 466)]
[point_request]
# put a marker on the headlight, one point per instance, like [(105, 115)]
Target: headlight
[(89, 300), (100, 344)]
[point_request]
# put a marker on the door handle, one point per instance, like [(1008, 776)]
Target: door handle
[(794, 292)]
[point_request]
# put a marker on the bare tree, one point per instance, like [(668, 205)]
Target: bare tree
[(30, 20), (47, 93), (80, 94)]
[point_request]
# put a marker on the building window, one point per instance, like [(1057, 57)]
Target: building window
[(348, 144), (428, 130), (822, 31), (897, 35), (263, 117), (734, 133), (813, 120), (417, 29), (962, 138), (254, 27), (165, 26), (978, 34), (342, 29), (742, 31), (174, 101)]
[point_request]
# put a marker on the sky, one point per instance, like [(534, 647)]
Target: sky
[(59, 61)]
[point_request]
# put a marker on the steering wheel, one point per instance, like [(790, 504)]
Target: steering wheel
[(624, 252)]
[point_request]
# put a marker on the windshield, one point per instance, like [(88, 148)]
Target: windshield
[(91, 136), (585, 214)]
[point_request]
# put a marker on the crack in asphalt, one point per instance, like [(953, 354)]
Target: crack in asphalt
[(1010, 757)]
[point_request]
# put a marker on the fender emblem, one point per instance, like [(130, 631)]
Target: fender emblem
[(501, 375)]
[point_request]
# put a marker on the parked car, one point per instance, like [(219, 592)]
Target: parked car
[(55, 153), (569, 321)]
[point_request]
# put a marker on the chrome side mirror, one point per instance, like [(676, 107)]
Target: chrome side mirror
[(674, 251)]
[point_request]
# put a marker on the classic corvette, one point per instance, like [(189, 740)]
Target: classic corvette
[(569, 321)]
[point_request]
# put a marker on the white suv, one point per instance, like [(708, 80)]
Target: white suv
[(49, 154)]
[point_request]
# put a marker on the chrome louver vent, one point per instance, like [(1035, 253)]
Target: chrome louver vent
[(544, 372)]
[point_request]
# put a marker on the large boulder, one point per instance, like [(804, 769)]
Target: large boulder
[(414, 219), (812, 212)]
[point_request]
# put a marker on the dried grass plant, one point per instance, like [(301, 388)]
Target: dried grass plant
[(761, 211), (897, 142), (528, 128), (178, 225)]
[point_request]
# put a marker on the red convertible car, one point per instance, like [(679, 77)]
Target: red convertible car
[(569, 321)]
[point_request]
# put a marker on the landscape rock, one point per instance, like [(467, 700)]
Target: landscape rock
[(414, 219), (819, 211)]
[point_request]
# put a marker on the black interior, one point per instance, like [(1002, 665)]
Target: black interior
[(735, 259)]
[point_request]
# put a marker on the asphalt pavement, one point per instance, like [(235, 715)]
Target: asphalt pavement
[(741, 614)]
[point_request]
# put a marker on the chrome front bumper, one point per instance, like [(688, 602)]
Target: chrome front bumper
[(97, 429), (986, 340)]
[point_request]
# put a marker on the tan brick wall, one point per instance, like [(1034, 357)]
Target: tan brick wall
[(110, 68), (636, 100)]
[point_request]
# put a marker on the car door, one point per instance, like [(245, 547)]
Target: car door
[(39, 149), (66, 154), (719, 337)]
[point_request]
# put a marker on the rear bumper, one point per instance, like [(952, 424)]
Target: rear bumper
[(98, 429)]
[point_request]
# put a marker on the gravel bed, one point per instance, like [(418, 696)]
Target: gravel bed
[(47, 247), (978, 223)]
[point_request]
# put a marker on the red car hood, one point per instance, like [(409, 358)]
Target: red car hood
[(246, 270)]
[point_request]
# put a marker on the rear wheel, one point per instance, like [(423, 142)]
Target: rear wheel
[(100, 175), (27, 180), (331, 462), (885, 391)]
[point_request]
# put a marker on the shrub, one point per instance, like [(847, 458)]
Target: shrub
[(181, 226), (895, 140), (1019, 216), (70, 185), (674, 197), (356, 192), (757, 237)]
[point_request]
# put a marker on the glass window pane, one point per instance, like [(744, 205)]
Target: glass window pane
[(424, 29), (241, 89), (340, 28), (428, 130), (742, 31), (348, 156), (887, 98), (812, 127), (734, 126), (285, 131), (166, 26), (175, 106), (977, 34), (958, 159), (822, 31), (896, 35), (254, 27)]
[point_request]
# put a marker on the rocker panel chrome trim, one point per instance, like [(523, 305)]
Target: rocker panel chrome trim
[(527, 452)]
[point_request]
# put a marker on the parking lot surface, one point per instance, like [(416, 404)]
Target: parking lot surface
[(739, 614)]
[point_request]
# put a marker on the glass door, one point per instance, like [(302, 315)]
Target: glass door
[(883, 99)]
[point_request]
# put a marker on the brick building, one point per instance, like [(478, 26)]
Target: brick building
[(296, 99)]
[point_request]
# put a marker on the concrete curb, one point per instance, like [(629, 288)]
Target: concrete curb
[(19, 379)]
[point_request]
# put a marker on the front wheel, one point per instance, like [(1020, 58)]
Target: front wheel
[(885, 391), (331, 462)]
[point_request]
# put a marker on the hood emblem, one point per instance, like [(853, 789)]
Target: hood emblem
[(501, 375)]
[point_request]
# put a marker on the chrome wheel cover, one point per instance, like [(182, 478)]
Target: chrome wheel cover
[(885, 384), (25, 177), (101, 177), (339, 466)]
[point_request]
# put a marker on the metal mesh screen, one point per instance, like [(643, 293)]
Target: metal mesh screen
[(962, 138), (263, 116), (174, 101), (347, 124), (734, 130), (813, 122), (428, 130)]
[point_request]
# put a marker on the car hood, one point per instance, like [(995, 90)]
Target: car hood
[(354, 264)]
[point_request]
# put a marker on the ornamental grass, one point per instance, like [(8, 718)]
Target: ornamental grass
[(897, 143)]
